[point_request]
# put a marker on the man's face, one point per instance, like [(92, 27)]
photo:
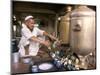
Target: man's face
[(30, 24)]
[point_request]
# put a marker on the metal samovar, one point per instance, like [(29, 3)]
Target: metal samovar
[(82, 39)]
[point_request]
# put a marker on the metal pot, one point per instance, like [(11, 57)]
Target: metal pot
[(15, 57), (34, 68), (65, 26), (82, 39)]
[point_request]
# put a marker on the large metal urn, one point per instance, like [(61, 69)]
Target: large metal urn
[(82, 37), (64, 26)]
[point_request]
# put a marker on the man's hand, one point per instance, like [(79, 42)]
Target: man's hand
[(50, 36), (57, 43), (46, 43)]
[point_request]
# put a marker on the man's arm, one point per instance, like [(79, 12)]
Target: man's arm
[(41, 32), (33, 38), (49, 35), (26, 32)]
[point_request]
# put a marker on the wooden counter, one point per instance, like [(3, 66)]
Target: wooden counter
[(22, 68)]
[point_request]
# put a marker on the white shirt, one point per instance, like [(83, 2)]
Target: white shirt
[(26, 35)]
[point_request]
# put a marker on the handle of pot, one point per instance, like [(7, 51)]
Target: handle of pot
[(77, 28)]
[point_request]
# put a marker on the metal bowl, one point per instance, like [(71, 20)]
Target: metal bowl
[(26, 60), (45, 66)]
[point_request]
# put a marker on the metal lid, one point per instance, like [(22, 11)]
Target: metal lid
[(82, 11)]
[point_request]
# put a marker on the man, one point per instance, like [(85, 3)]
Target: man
[(29, 43)]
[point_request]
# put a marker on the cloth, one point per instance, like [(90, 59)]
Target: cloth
[(28, 17), (33, 45)]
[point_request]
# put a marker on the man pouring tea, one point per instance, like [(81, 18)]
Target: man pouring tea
[(29, 42)]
